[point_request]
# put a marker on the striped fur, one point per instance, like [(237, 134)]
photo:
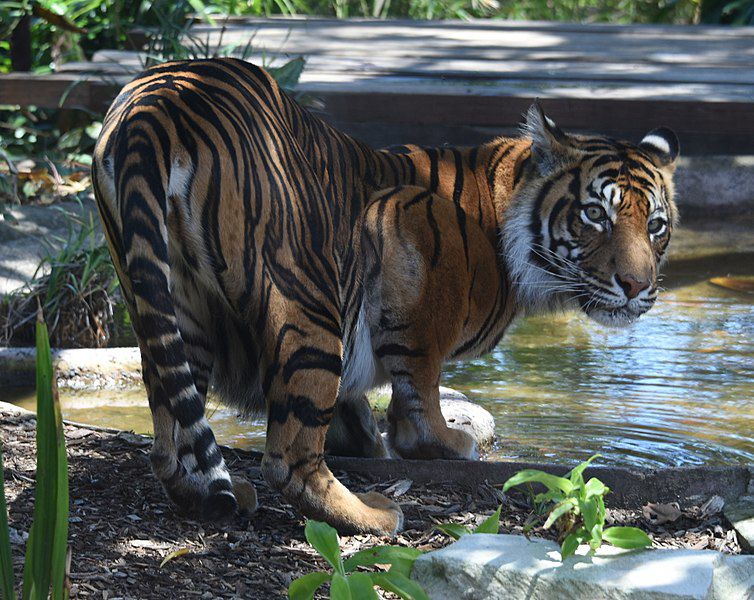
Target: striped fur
[(264, 251)]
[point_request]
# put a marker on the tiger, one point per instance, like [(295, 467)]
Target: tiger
[(293, 268)]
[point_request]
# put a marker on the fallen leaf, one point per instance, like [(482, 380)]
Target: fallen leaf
[(737, 284), (657, 514), (172, 555)]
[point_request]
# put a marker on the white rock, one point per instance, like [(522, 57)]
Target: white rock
[(512, 567), (469, 417)]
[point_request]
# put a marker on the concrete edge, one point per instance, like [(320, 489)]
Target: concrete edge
[(88, 366), (629, 488)]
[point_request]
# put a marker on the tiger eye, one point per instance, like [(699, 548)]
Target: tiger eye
[(656, 225), (596, 213)]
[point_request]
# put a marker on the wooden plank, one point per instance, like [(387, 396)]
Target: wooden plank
[(59, 91), (706, 127), (458, 78)]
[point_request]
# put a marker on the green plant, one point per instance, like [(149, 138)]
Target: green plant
[(47, 546), (345, 581), (75, 286), (577, 509), (490, 525), (733, 12)]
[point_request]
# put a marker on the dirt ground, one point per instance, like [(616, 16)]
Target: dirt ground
[(122, 526)]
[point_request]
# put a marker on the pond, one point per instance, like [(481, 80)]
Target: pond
[(676, 388)]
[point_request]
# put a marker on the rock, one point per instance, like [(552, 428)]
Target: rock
[(458, 411), (512, 567), (741, 515), (469, 417)]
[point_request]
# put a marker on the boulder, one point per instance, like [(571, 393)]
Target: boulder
[(512, 567)]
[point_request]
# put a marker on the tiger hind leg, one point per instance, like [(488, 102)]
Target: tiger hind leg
[(353, 430), (185, 456)]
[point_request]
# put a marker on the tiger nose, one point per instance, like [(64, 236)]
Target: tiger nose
[(631, 286)]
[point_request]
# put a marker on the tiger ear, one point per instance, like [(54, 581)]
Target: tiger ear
[(550, 146), (662, 145)]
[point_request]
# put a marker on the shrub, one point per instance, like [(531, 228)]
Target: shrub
[(577, 509), (345, 581)]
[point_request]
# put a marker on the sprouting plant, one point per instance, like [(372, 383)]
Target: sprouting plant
[(490, 525), (47, 546), (578, 510), (345, 581)]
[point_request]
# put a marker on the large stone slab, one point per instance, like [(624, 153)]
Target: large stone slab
[(512, 567)]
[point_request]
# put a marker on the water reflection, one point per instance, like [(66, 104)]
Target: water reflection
[(676, 388)]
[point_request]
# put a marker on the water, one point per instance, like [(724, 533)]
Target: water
[(676, 388)]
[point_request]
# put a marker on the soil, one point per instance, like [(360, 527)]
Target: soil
[(122, 526)]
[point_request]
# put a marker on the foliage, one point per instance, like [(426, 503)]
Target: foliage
[(490, 525), (727, 12), (345, 581), (75, 286), (577, 509), (47, 545)]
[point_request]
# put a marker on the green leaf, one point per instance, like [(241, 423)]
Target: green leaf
[(558, 511), (588, 508), (287, 75), (575, 476), (491, 524), (325, 540), (304, 587), (552, 482), (626, 537), (380, 555), (48, 538), (595, 533), (404, 567), (400, 585), (594, 487), (339, 588), (362, 587), (545, 498), (454, 530), (569, 546), (6, 563)]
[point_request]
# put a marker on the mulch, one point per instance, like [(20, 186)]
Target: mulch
[(122, 526)]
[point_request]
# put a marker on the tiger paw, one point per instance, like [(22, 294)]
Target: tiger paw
[(391, 515), (452, 444)]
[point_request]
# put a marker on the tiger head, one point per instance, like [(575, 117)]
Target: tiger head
[(590, 222)]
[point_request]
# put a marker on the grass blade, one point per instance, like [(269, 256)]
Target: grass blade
[(6, 561), (49, 531)]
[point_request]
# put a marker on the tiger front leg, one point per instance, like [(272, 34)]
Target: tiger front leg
[(301, 404), (432, 286), (416, 426)]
